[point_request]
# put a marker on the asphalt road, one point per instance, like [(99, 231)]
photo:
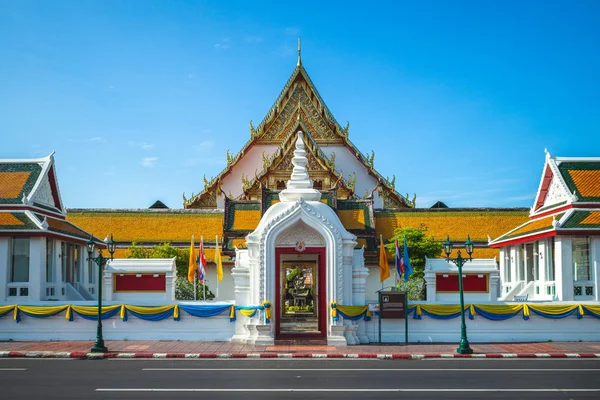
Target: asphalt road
[(299, 379)]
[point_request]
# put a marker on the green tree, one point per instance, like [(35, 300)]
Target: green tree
[(420, 246), (184, 290)]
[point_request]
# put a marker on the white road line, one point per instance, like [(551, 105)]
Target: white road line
[(377, 369), (462, 390), (13, 369)]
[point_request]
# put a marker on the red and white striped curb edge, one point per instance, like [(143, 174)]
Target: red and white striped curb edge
[(405, 356)]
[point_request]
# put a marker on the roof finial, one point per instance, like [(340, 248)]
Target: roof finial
[(299, 58)]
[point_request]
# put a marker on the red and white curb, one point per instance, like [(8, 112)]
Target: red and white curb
[(391, 356)]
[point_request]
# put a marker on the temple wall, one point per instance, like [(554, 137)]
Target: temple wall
[(346, 161), (250, 162), (516, 329), (219, 328)]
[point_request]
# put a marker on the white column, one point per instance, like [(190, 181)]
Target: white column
[(37, 268), (58, 268), (563, 269), (4, 266), (241, 281), (502, 267), (359, 284), (542, 264), (594, 264), (514, 270)]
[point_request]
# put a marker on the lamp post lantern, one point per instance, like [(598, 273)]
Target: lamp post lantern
[(463, 347), (100, 261)]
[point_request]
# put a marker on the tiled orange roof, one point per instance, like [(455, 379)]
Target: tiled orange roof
[(592, 219), (11, 184), (534, 225), (9, 219), (61, 226), (246, 220), (457, 224), (149, 226), (587, 182), (352, 219)]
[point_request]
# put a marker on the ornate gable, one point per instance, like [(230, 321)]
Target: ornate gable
[(299, 107)]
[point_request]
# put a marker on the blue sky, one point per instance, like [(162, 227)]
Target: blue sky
[(140, 99)]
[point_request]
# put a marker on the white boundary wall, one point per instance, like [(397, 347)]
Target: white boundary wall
[(219, 328)]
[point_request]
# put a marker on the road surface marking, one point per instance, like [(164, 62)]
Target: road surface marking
[(376, 369), (462, 390)]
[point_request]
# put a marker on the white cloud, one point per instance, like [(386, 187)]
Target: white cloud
[(206, 145), (148, 161), (141, 145), (223, 44), (97, 140)]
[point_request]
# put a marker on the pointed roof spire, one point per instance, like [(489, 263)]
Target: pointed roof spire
[(299, 186), (299, 58)]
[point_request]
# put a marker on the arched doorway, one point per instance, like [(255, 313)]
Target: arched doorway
[(300, 285)]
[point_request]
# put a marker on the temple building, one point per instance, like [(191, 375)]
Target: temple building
[(298, 214), (231, 205), (556, 254)]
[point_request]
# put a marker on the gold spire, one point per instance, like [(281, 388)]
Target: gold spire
[(299, 58)]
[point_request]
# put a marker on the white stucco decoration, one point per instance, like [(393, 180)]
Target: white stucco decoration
[(299, 186), (44, 193), (556, 193), (300, 232)]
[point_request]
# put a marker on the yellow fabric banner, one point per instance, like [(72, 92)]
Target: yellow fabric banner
[(218, 260), (192, 263), (384, 269)]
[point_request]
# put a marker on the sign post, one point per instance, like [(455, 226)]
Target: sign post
[(393, 305)]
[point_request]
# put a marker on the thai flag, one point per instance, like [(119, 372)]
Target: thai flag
[(408, 270), (201, 262), (399, 263)]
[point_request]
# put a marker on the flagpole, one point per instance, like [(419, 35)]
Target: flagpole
[(203, 280), (195, 280), (217, 262), (381, 241)]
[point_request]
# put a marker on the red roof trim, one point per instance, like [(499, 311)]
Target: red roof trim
[(564, 208), (554, 211), (541, 198), (524, 239), (52, 179), (37, 210)]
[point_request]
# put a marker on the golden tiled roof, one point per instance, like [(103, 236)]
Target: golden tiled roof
[(587, 182), (352, 219), (9, 219), (149, 226), (457, 224), (11, 184), (246, 220), (534, 225), (592, 219), (62, 226)]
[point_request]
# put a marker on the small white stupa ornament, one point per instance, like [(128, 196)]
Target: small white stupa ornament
[(299, 186)]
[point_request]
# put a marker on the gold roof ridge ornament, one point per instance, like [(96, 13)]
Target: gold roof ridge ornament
[(299, 57)]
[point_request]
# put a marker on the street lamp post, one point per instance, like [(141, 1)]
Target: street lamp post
[(100, 261), (463, 347)]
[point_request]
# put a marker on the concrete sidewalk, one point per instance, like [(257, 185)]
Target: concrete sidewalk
[(179, 349)]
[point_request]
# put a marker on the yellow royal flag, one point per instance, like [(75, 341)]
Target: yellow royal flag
[(384, 269), (192, 265), (218, 260)]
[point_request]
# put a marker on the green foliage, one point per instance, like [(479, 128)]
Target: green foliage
[(184, 290), (165, 250), (415, 288), (419, 246)]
